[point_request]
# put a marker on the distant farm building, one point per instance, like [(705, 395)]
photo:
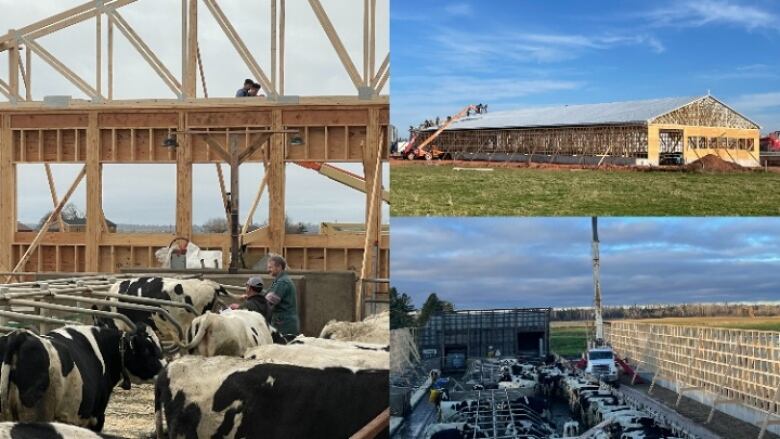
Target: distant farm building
[(649, 132)]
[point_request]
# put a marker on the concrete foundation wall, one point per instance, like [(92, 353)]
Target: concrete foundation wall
[(739, 411)]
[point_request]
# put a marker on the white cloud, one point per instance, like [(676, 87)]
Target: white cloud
[(459, 9), (696, 13)]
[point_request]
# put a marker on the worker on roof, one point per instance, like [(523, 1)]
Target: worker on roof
[(244, 91), (254, 90)]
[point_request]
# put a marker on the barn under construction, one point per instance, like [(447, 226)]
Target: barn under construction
[(675, 130)]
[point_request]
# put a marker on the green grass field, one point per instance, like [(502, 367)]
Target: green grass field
[(757, 323), (568, 341), (570, 338), (438, 190)]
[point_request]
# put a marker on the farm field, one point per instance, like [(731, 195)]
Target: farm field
[(420, 189), (569, 338), (757, 323), (568, 341)]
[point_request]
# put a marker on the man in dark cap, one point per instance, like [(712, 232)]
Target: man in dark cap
[(244, 91)]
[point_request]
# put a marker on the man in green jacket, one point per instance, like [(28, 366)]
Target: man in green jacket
[(282, 296)]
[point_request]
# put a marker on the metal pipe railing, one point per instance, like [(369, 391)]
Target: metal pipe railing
[(77, 310), (124, 305), (145, 300), (32, 318)]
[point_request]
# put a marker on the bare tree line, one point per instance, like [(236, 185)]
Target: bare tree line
[(680, 310)]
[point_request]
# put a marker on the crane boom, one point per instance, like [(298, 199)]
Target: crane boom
[(419, 151), (597, 283)]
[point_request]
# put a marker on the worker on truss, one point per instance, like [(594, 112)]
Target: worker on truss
[(254, 90), (244, 91)]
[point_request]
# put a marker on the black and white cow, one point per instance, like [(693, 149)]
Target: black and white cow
[(231, 333), (227, 397), (47, 430), (68, 374), (201, 294)]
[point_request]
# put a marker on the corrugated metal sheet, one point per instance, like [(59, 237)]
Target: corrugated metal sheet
[(623, 113)]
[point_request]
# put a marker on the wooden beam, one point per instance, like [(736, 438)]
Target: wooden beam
[(274, 53), (37, 240), (27, 74), (184, 182), (67, 73), (240, 47), (13, 69), (53, 191), (7, 196), (62, 20), (327, 26), (282, 20), (99, 53), (374, 428), (190, 84), (255, 202), (257, 141), (146, 52), (217, 147), (372, 43), (366, 32), (373, 224), (94, 195), (110, 54), (379, 73), (276, 185)]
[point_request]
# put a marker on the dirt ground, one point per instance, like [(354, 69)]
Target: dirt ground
[(722, 424), (130, 413)]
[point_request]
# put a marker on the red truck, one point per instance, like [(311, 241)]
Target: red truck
[(771, 143)]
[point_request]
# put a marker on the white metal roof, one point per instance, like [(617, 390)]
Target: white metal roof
[(622, 113)]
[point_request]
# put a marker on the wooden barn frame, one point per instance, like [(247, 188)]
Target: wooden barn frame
[(734, 366), (271, 132), (702, 126)]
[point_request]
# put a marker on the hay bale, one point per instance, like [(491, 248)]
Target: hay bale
[(373, 329)]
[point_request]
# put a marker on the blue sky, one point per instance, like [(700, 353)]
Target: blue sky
[(520, 53), (517, 262)]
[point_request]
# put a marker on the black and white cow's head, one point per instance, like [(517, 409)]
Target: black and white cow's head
[(143, 356)]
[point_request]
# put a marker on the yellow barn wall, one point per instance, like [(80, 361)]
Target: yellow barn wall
[(741, 156)]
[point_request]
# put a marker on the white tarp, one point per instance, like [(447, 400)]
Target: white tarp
[(196, 258)]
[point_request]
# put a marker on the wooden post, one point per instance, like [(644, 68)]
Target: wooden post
[(372, 169), (190, 87), (282, 19), (274, 55), (28, 75), (110, 55), (234, 233), (276, 183), (13, 68), (7, 201), (94, 195), (184, 182), (99, 53)]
